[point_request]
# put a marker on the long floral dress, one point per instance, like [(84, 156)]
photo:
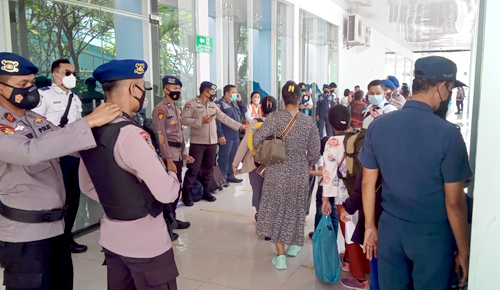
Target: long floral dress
[(285, 191)]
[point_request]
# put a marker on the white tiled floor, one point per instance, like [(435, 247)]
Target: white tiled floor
[(219, 252)]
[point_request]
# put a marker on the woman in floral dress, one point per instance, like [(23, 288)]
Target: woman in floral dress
[(282, 207)]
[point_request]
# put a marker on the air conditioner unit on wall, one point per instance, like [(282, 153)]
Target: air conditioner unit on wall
[(368, 34), (355, 30)]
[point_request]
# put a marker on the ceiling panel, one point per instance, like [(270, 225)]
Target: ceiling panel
[(420, 25)]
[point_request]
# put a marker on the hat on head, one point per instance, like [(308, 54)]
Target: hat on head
[(208, 85), (12, 64), (333, 85), (303, 86), (171, 80), (437, 68), (325, 86), (388, 84), (120, 70), (339, 117), (394, 80)]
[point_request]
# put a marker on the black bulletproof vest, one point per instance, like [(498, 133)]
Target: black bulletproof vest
[(121, 194)]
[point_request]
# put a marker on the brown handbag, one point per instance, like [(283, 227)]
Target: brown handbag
[(272, 150)]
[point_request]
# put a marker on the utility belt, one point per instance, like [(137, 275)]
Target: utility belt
[(31, 216), (175, 144)]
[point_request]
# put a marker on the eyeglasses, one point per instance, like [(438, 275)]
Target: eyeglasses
[(68, 73)]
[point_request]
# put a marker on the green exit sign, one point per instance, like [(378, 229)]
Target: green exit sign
[(204, 44)]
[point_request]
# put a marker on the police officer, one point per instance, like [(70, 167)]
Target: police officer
[(324, 103), (132, 187), (201, 114), (167, 116), (424, 222), (306, 102), (398, 100), (61, 106), (233, 106), (33, 250)]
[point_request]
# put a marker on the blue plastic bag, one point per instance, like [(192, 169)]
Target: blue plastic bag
[(325, 251)]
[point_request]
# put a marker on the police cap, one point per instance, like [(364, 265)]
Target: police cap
[(394, 80), (437, 68), (208, 85), (171, 80), (388, 84), (120, 70), (303, 86), (325, 86), (12, 64)]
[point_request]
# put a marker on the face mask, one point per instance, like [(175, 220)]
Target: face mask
[(175, 95), (69, 81), (24, 98), (376, 99), (388, 96), (325, 92), (146, 103), (234, 97), (212, 97), (443, 106), (141, 99)]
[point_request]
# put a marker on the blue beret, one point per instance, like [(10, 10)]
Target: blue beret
[(394, 80), (12, 64), (388, 84), (208, 85), (325, 86), (171, 80), (120, 70)]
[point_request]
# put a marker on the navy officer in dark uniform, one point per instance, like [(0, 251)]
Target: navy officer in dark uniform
[(422, 232), (325, 102)]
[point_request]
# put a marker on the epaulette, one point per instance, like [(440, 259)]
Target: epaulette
[(44, 88)]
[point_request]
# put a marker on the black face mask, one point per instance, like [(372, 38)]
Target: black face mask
[(175, 95), (141, 100), (24, 98), (443, 106), (212, 98), (325, 93)]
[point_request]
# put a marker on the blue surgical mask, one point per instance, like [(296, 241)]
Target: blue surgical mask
[(234, 97), (376, 99)]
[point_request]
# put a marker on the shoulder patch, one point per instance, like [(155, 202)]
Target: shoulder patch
[(9, 117), (187, 106), (161, 114), (6, 129), (147, 138)]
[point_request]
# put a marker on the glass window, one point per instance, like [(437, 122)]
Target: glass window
[(177, 47), (400, 68), (44, 31), (390, 63), (284, 27)]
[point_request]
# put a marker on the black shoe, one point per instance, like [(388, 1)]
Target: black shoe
[(267, 239), (311, 235), (188, 202), (234, 180), (208, 197), (174, 237), (182, 225), (225, 184), (458, 113), (77, 248)]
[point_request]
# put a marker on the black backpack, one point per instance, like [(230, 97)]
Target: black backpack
[(353, 142)]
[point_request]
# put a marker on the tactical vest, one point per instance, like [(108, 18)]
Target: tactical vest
[(121, 194)]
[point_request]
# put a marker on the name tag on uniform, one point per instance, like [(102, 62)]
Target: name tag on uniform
[(56, 102), (170, 117)]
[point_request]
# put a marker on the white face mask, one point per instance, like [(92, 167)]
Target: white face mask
[(69, 81), (376, 99), (145, 105)]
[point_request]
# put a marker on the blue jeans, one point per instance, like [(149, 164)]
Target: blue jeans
[(319, 202), (226, 157)]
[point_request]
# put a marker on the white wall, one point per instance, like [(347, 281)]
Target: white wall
[(485, 252), (358, 65)]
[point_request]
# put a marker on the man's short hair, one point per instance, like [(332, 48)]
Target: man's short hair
[(375, 83), (57, 64), (423, 85), (228, 88), (109, 86)]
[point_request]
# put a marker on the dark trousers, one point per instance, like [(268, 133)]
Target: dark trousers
[(170, 208), (69, 167), (323, 124), (460, 106), (422, 254), (319, 203), (256, 181), (38, 265), (158, 273), (226, 157), (203, 165)]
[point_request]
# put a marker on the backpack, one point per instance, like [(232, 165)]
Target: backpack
[(353, 142)]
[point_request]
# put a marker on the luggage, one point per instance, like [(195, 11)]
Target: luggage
[(196, 191), (325, 252)]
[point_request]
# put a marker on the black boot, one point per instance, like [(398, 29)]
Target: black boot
[(77, 248), (209, 197)]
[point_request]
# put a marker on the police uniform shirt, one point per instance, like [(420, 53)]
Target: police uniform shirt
[(53, 103), (146, 237), (431, 152), (30, 173), (167, 117), (384, 108), (398, 101), (205, 134), (233, 110), (324, 104)]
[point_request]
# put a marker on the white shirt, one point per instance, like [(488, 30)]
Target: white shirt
[(385, 107), (249, 116), (333, 186), (345, 101), (53, 103)]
